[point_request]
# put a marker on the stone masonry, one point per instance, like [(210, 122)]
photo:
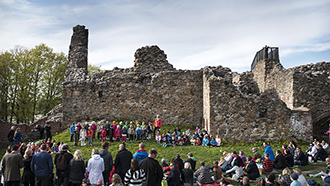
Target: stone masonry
[(268, 102)]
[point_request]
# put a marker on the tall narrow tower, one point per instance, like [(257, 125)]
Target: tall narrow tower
[(77, 59)]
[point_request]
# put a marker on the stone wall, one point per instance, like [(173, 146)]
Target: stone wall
[(239, 113), (260, 104)]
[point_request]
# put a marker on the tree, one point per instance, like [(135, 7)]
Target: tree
[(93, 69)]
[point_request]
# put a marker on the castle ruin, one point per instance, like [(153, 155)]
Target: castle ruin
[(268, 102)]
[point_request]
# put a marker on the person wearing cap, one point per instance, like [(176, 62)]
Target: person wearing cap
[(164, 164), (63, 174), (72, 128), (294, 179), (256, 155), (192, 160)]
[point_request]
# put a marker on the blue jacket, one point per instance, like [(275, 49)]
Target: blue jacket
[(140, 155), (42, 164), (269, 150), (72, 128)]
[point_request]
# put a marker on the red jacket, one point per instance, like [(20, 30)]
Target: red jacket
[(158, 122)]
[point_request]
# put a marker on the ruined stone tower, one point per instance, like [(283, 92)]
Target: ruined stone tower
[(268, 102)]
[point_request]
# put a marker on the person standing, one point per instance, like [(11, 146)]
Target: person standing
[(18, 136), (77, 169), (62, 160), (95, 167), (72, 128), (48, 132), (157, 124), (11, 165), (173, 178), (42, 166), (41, 130), (108, 162), (10, 135), (152, 169), (28, 176), (122, 161), (141, 154), (135, 176), (191, 160)]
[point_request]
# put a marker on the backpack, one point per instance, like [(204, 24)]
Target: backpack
[(61, 163)]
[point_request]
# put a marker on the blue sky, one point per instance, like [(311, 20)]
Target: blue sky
[(193, 33)]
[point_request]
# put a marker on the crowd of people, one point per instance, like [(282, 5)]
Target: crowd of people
[(141, 167)]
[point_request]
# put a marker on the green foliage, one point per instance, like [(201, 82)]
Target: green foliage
[(93, 69), (31, 82)]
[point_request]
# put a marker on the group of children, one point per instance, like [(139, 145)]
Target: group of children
[(128, 132)]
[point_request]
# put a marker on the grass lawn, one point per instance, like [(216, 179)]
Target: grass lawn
[(206, 154)]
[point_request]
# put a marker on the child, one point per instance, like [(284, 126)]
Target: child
[(193, 141), (103, 134), (149, 130), (197, 130), (118, 134), (114, 131), (59, 146), (93, 127), (83, 135), (99, 130), (218, 139), (158, 137), (213, 142), (123, 134), (75, 137), (164, 141), (267, 164), (180, 141), (173, 142), (205, 141), (143, 132), (120, 125), (116, 180), (137, 131), (54, 148), (130, 132), (241, 155), (198, 141), (90, 136)]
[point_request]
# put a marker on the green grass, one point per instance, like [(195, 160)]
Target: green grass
[(206, 154)]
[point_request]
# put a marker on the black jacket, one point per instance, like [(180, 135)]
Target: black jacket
[(279, 162), (302, 158), (65, 172), (178, 161), (77, 170), (188, 175), (174, 178), (154, 172), (28, 175), (123, 162), (107, 157), (10, 135), (289, 160), (192, 163), (252, 170)]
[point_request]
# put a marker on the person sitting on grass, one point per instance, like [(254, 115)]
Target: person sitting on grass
[(288, 158), (198, 142), (193, 141), (241, 155), (270, 179), (256, 155), (267, 164), (322, 174), (180, 141), (301, 177), (279, 162), (158, 137), (236, 171), (213, 142), (218, 139), (300, 158), (203, 173), (245, 181), (294, 178), (321, 154), (285, 177), (217, 172), (205, 141), (251, 170)]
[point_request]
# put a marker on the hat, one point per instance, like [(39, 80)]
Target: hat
[(311, 182), (253, 149), (65, 147), (178, 156), (294, 176), (164, 160)]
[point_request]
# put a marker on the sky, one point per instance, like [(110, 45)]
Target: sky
[(193, 33)]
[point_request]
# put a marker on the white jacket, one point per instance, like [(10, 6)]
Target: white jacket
[(238, 172), (83, 134), (95, 167)]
